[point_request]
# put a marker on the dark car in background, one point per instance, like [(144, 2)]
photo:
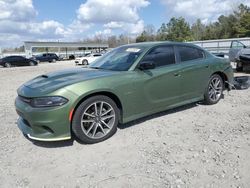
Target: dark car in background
[(50, 57), (16, 61)]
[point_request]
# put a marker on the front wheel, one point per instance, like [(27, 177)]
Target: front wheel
[(214, 90), (96, 119), (85, 62), (7, 65)]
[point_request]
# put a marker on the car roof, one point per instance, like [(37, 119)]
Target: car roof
[(13, 56), (152, 44)]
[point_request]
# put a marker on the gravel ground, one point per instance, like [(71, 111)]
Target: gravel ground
[(192, 146)]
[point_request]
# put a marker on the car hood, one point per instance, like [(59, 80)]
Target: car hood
[(50, 82)]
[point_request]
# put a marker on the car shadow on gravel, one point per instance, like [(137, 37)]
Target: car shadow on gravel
[(159, 114)]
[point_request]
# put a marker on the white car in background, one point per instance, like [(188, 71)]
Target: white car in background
[(88, 59)]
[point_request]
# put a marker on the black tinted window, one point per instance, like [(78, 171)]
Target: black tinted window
[(162, 55), (189, 53), (17, 58)]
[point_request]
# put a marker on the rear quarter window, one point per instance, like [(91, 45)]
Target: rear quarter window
[(187, 53)]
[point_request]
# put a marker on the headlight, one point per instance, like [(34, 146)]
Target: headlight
[(48, 101)]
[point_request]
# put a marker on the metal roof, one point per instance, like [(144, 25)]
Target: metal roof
[(29, 44)]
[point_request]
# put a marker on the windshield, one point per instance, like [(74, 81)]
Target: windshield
[(119, 59)]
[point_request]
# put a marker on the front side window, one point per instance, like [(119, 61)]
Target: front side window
[(161, 56), (189, 53)]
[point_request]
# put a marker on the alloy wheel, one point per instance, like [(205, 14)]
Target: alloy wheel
[(215, 89), (98, 119)]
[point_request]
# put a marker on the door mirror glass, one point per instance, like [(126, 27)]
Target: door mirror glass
[(145, 65)]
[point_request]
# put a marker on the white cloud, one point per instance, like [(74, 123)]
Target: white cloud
[(100, 11), (17, 10), (18, 21), (207, 11), (113, 25), (114, 14)]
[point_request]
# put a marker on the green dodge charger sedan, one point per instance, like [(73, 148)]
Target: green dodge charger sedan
[(125, 84)]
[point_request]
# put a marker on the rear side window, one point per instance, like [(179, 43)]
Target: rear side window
[(161, 56), (189, 53)]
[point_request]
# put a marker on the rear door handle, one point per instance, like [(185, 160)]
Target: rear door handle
[(207, 66)]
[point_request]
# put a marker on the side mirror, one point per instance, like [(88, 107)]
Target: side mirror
[(146, 65)]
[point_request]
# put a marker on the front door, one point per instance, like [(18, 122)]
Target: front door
[(160, 87)]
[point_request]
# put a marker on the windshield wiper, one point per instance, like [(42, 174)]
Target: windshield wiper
[(96, 68)]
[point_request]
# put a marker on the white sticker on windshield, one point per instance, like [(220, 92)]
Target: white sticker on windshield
[(133, 50)]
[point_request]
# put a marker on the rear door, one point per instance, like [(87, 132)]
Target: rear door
[(194, 71), (21, 61)]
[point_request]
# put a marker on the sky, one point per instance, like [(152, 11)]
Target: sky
[(75, 20)]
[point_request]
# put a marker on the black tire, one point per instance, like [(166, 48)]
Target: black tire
[(212, 95), (238, 67), (31, 63), (94, 130), (85, 62), (7, 65)]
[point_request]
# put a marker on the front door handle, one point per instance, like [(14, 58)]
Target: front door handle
[(176, 74)]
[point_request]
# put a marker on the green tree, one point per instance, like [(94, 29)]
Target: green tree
[(178, 30), (198, 30), (162, 33), (142, 37), (244, 26)]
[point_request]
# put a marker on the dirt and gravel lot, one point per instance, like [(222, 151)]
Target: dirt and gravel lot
[(192, 146)]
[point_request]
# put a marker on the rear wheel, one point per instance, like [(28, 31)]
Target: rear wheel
[(95, 120), (214, 90), (7, 65), (31, 63)]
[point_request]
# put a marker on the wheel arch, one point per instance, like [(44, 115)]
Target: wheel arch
[(84, 60), (109, 94)]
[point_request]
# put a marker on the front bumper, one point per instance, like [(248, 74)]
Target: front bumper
[(28, 131), (43, 124)]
